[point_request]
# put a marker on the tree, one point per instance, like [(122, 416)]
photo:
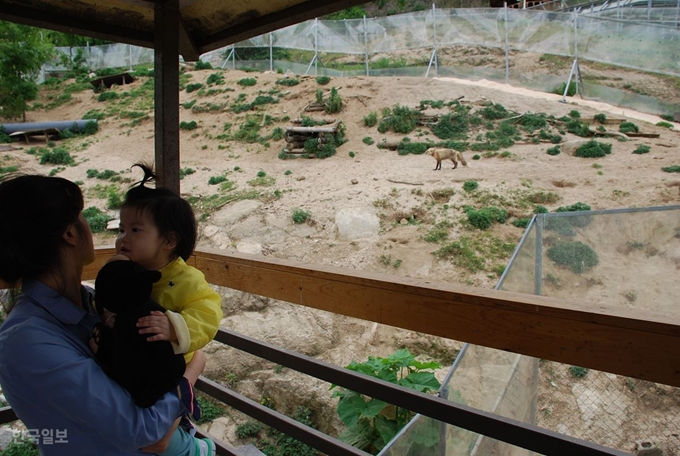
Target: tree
[(22, 53)]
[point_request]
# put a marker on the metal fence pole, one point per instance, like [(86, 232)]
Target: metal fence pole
[(271, 53), (507, 51), (366, 44)]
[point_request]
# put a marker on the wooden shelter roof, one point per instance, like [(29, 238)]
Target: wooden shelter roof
[(205, 25)]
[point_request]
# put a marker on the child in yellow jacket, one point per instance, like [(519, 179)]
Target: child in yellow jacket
[(158, 230)]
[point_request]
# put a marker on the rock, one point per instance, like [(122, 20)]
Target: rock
[(647, 448), (301, 178), (354, 181), (403, 222), (357, 223), (232, 213), (571, 146), (249, 247)]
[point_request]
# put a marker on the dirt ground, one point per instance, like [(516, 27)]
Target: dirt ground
[(399, 189)]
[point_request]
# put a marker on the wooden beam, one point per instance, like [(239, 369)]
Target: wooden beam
[(264, 24), (627, 342), (166, 93), (27, 15)]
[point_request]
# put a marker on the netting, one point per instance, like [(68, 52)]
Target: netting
[(626, 258), (423, 43)]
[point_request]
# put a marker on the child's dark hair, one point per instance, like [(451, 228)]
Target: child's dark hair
[(35, 211), (171, 213)]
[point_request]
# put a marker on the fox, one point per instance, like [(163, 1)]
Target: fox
[(440, 154)]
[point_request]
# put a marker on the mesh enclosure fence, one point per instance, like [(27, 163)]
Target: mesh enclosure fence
[(620, 258), (417, 44)]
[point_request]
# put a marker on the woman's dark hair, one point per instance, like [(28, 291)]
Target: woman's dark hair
[(35, 211), (171, 213)]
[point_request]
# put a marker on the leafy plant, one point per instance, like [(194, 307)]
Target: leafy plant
[(96, 219), (20, 448), (628, 127), (288, 82), (209, 410), (601, 118), (188, 125), (367, 140), (642, 149), (201, 65), (300, 215), (214, 180), (671, 169), (56, 156), (553, 150), (323, 80), (470, 186), (371, 119), (578, 372), (573, 254), (372, 423), (193, 87), (593, 149), (334, 104)]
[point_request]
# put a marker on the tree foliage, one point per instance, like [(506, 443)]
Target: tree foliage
[(22, 54)]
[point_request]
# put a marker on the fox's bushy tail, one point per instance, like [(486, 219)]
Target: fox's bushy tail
[(462, 160)]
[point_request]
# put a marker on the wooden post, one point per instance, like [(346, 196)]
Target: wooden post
[(166, 93)]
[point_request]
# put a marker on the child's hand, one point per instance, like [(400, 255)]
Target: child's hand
[(159, 324)]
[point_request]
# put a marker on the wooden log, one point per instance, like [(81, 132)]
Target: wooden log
[(389, 145), (642, 135), (297, 138), (325, 121), (311, 129), (294, 151)]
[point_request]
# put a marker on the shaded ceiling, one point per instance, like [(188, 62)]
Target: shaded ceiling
[(205, 25)]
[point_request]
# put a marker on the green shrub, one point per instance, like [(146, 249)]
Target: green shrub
[(334, 102), (574, 114), (215, 78), (300, 216), (209, 410), (288, 172), (278, 134), (540, 210), (578, 372), (470, 186), (371, 119), (593, 149), (188, 125), (628, 127), (368, 140), (288, 82), (521, 222), (494, 112), (214, 180), (553, 150), (559, 90), (664, 124), (351, 154), (247, 82), (578, 128), (323, 80), (401, 119), (56, 156), (105, 96), (94, 114), (185, 172), (486, 216), (671, 169), (249, 429), (642, 149), (193, 87), (20, 448), (261, 174), (96, 219), (601, 118), (201, 65), (476, 157), (369, 427), (574, 254)]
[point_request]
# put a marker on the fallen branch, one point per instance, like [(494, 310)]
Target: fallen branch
[(402, 182)]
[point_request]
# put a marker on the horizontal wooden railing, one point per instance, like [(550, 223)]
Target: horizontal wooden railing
[(622, 341)]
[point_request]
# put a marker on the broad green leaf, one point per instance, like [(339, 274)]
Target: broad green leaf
[(350, 409), (387, 429), (421, 381), (373, 407), (401, 358), (425, 432), (429, 365)]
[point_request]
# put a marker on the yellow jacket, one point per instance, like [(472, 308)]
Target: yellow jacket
[(193, 307)]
